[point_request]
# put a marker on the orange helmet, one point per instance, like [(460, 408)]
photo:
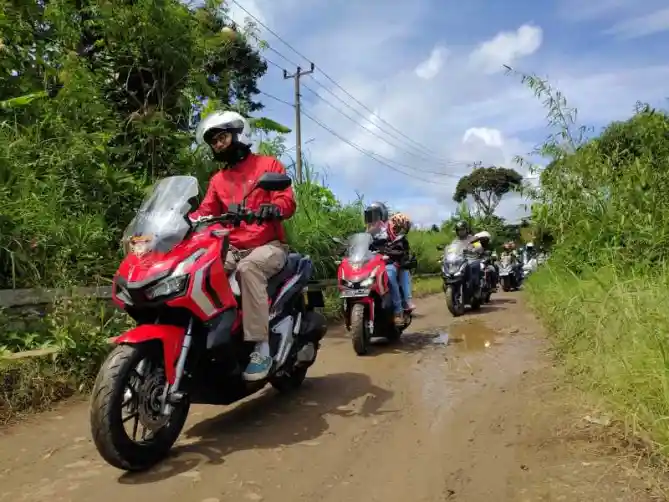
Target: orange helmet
[(399, 223)]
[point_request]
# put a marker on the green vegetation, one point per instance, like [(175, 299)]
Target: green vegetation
[(604, 201), (487, 186)]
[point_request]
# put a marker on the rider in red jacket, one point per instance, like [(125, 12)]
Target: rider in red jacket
[(257, 251)]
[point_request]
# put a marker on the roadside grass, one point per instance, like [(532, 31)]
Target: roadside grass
[(610, 331)]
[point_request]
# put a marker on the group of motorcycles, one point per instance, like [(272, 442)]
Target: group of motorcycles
[(188, 344), (463, 287)]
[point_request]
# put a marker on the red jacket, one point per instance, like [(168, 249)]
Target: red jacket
[(229, 187)]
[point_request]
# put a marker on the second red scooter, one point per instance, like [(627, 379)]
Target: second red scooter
[(365, 290)]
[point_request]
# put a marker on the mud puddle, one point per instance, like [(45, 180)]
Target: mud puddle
[(471, 336)]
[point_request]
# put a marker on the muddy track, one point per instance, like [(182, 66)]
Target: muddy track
[(464, 410)]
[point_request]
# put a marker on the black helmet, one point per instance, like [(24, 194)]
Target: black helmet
[(375, 212)]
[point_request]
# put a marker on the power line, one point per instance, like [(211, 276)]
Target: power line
[(385, 161), (376, 156), (417, 151), (276, 99), (328, 77), (451, 163)]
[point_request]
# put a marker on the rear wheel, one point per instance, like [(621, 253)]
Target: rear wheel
[(289, 381), (393, 333), (359, 331), (128, 391), (506, 283)]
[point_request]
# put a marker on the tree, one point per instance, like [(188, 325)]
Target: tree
[(97, 100), (487, 186)]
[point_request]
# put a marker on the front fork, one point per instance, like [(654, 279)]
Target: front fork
[(171, 393), (347, 305)]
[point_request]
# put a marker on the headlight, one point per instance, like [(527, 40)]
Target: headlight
[(368, 282), (172, 285), (177, 282)]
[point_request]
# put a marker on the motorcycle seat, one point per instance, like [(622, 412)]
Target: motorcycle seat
[(288, 270)]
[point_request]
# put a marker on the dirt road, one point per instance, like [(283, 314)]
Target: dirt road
[(464, 410)]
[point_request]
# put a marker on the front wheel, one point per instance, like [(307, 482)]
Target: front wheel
[(359, 332), (454, 299), (128, 390)]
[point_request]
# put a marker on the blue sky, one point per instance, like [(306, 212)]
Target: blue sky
[(433, 69)]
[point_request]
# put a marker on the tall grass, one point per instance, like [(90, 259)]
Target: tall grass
[(605, 200)]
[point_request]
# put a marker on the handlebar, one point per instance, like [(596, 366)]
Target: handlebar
[(234, 217)]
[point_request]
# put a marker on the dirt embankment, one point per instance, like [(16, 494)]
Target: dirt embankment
[(464, 410)]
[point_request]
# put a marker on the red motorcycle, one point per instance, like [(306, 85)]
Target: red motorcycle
[(365, 290), (188, 345)]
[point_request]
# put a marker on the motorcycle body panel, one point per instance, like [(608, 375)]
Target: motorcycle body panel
[(203, 297)]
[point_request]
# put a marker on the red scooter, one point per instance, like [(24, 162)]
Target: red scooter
[(188, 345), (364, 288)]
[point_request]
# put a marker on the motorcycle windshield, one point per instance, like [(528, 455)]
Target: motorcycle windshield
[(455, 251), (162, 220), (358, 248)]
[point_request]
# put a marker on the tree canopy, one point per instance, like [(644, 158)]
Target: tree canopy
[(98, 99), (486, 186)]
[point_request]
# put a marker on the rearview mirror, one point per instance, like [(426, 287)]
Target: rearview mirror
[(337, 240), (441, 247), (274, 182)]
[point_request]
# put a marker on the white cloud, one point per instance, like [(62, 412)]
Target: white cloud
[(506, 47), (469, 113), (491, 137), (431, 67), (642, 26)]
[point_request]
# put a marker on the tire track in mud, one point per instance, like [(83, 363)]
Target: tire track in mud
[(465, 409)]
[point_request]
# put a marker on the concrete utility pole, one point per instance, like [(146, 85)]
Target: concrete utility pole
[(298, 124)]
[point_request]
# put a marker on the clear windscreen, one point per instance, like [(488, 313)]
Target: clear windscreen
[(161, 221), (455, 250), (358, 248)]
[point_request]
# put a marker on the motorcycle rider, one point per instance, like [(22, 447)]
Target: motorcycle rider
[(473, 250), (257, 250), (516, 262), (376, 222), (399, 225), (484, 238), (529, 251)]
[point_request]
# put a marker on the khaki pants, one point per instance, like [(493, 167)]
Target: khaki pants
[(255, 266)]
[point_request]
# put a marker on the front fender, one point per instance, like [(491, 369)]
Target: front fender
[(170, 337)]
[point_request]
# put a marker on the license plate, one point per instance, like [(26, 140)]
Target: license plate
[(355, 293)]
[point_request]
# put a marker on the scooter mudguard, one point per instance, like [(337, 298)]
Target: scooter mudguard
[(170, 337)]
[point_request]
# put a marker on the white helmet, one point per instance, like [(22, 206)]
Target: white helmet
[(529, 245), (224, 121), (483, 235)]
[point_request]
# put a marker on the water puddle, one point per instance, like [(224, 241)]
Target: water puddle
[(472, 336)]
